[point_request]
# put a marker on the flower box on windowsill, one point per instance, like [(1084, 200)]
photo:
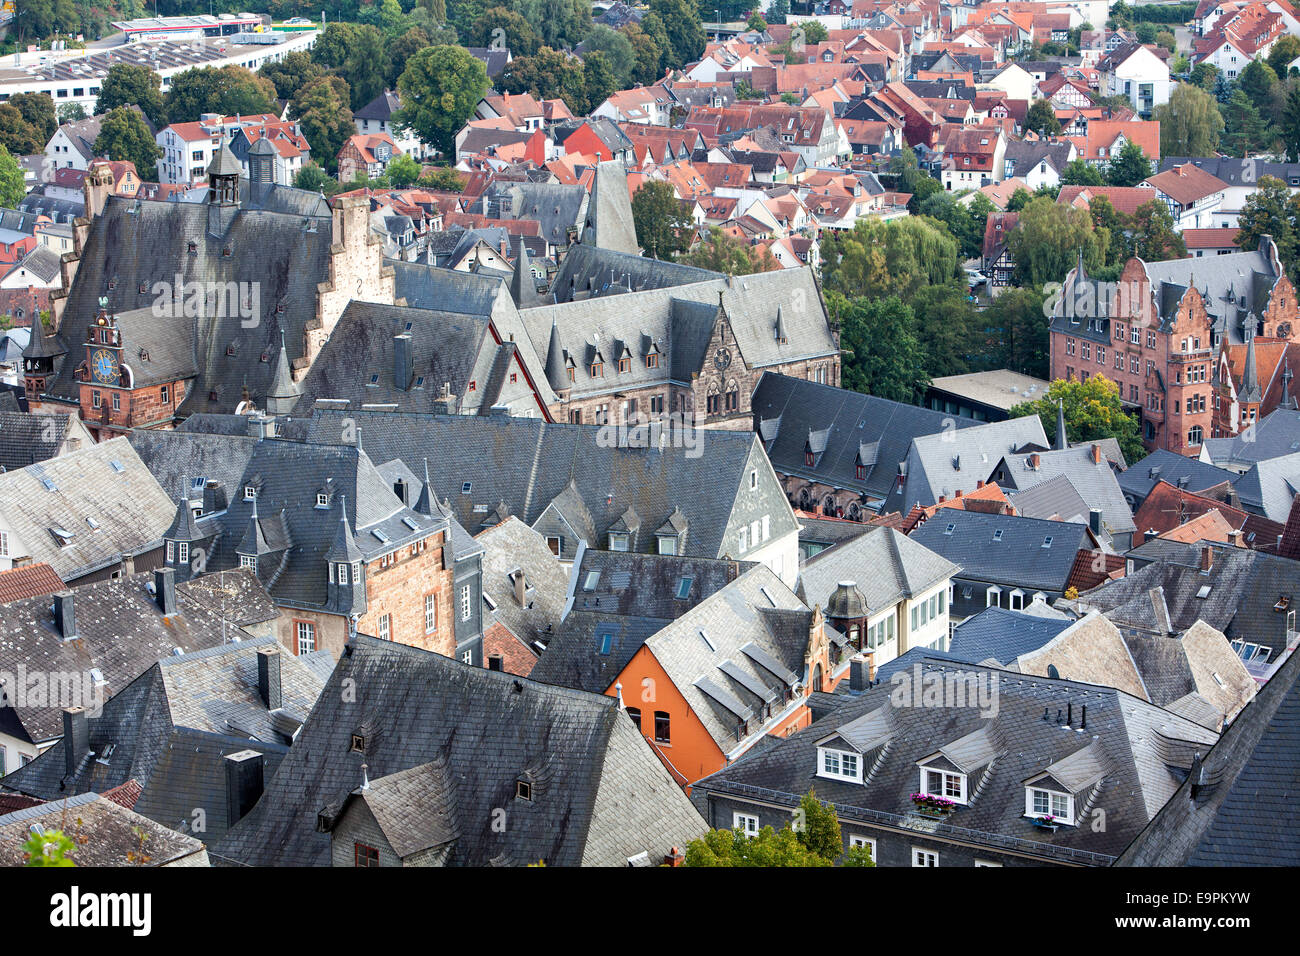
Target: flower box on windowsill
[(1046, 823), (928, 805)]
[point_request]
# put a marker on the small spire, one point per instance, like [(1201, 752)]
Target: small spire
[(1061, 442)]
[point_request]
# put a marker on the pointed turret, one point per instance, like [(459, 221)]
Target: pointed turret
[(1287, 401), (556, 373), (609, 222), (347, 587), (284, 391), (425, 503), (1061, 442), (1251, 393), (183, 538), (523, 288), (253, 545)]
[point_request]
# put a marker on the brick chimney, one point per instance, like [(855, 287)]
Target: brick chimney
[(674, 857), (1096, 454), (1035, 460), (1207, 559)]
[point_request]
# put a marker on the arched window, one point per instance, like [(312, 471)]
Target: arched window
[(732, 403)]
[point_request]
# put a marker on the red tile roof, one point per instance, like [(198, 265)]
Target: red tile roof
[(30, 580)]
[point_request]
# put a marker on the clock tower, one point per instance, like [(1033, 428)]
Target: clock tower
[(104, 350)]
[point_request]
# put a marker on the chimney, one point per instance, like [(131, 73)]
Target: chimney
[(674, 857), (65, 616), (1035, 460), (1096, 454), (1234, 538), (403, 363), (862, 671), (979, 484), (164, 587), (268, 677), (1094, 518), (521, 588), (1207, 559), (76, 738), (496, 662), (243, 784)]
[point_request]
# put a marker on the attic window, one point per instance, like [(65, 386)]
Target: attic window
[(249, 492), (49, 484), (225, 252), (266, 356), (358, 744), (1203, 592), (1282, 604), (1047, 542), (144, 355), (63, 536), (606, 644), (144, 288), (950, 529), (464, 489), (92, 523), (231, 349), (192, 247), (523, 790), (117, 466), (593, 577), (997, 535)]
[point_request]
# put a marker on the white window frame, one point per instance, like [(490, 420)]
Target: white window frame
[(306, 634), (343, 574), (248, 561), (745, 823), (619, 540), (430, 613), (1066, 816), (385, 627), (945, 785), (466, 606), (991, 592), (923, 857), (834, 764), (860, 841), (183, 552)]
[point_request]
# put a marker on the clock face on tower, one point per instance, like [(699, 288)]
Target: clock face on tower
[(103, 366)]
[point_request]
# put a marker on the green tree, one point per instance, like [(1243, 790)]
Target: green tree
[(1190, 123), (913, 180), (769, 848), (1153, 234), (681, 23), (1246, 130), (439, 90), (813, 31), (1019, 331), (1285, 49), (858, 856), (1093, 411), (1271, 210), (1260, 84), (818, 828), (778, 11), (402, 171), (49, 848), (1047, 239), (224, 90), (502, 26), (1080, 172), (127, 84), (964, 221), (1019, 199), (124, 137), (442, 178), (946, 324), (315, 179), (649, 56), (550, 74), (756, 22), (400, 50), (728, 255), (1041, 118), (1130, 167), (12, 185), (617, 50), (321, 110), (1290, 124), (71, 112), (878, 259), (38, 111), (16, 134), (291, 74), (884, 354), (598, 80), (1206, 76), (1146, 33), (1165, 38), (662, 223)]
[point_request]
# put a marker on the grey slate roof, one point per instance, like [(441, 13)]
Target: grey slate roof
[(1001, 635), (280, 244), (27, 438), (530, 465), (111, 832), (599, 794), (106, 483), (1269, 486), (557, 208), (510, 548), (1137, 755), (1276, 435), (1138, 479), (787, 410), (171, 729), (609, 211), (287, 476), (1094, 482), (957, 459), (1016, 558), (1236, 808), (886, 565)]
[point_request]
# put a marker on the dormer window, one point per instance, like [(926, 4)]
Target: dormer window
[(597, 369), (839, 765), (248, 561), (941, 783), (1040, 803), (625, 364), (322, 500), (618, 541), (667, 544), (249, 492)]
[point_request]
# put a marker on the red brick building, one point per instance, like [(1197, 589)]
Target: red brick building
[(1157, 334)]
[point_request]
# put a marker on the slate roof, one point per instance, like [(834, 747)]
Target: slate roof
[(1275, 435), (287, 477), (886, 565), (447, 348), (1235, 809), (557, 208), (104, 833), (171, 729), (280, 244), (609, 212), (1270, 485), (534, 466), (1094, 481), (957, 459), (1017, 558), (511, 548), (1138, 479), (788, 410), (27, 438), (1001, 635), (1244, 587), (1138, 754), (599, 795), (105, 483)]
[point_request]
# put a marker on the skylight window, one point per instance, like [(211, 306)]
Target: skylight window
[(117, 466), (950, 529), (410, 523), (49, 484), (1204, 591), (1047, 542), (997, 535), (383, 538), (464, 489), (92, 523), (706, 640), (590, 583), (684, 588)]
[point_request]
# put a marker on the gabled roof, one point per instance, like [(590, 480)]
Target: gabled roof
[(886, 565), (598, 795), (1005, 550)]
